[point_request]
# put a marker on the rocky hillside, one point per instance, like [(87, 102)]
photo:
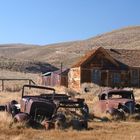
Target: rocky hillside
[(69, 52)]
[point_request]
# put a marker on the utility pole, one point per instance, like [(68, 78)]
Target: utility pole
[(61, 69)]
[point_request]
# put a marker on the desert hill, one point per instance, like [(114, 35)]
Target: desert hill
[(67, 52)]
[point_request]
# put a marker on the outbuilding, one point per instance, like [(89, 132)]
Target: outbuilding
[(56, 78)]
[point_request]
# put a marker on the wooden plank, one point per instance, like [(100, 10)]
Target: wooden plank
[(2, 85)]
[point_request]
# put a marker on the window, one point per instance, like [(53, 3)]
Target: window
[(96, 76), (134, 77), (121, 95), (116, 78), (103, 97)]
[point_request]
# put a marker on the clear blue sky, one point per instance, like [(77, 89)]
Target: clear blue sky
[(51, 21)]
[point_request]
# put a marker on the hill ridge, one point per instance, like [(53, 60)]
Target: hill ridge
[(69, 52)]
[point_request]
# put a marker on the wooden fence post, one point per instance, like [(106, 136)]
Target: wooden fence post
[(29, 82), (2, 85)]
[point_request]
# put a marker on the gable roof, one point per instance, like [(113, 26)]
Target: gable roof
[(92, 53), (128, 57)]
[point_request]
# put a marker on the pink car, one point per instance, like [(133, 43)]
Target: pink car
[(115, 99)]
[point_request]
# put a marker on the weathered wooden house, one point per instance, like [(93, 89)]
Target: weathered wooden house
[(56, 78), (107, 67)]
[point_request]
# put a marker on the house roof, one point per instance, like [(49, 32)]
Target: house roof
[(47, 74), (64, 71), (57, 72), (130, 58), (91, 54)]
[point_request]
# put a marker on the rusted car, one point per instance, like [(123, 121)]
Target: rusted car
[(45, 109), (114, 101)]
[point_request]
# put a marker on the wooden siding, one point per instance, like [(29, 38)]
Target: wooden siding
[(56, 78), (107, 77), (64, 81), (99, 61)]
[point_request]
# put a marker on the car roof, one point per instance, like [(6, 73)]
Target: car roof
[(115, 91)]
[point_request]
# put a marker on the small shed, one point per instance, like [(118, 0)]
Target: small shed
[(56, 78)]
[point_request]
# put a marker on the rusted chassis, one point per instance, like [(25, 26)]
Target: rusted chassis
[(116, 102), (44, 110)]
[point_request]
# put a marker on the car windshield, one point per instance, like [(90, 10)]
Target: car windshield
[(120, 95), (36, 91)]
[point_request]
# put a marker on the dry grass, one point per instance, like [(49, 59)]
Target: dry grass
[(126, 130), (16, 85), (137, 95), (8, 96), (97, 130), (14, 74)]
